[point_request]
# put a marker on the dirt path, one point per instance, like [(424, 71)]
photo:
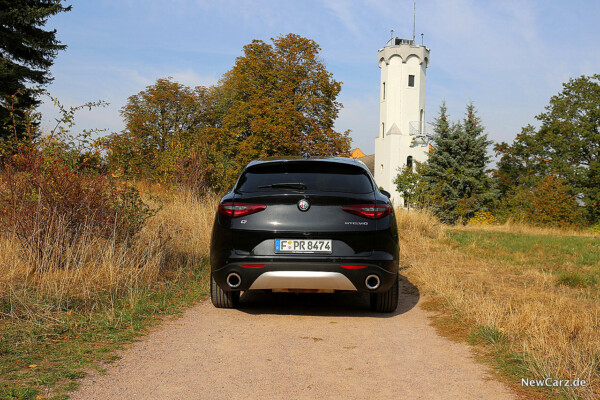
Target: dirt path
[(297, 346)]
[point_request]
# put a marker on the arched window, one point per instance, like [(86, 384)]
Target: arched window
[(382, 129), (409, 162)]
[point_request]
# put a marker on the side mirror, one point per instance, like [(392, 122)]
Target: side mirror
[(385, 193)]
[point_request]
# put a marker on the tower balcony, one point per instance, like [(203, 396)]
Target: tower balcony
[(419, 133)]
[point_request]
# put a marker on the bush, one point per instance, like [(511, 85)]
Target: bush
[(549, 202), (54, 191), (42, 193), (197, 166), (483, 218), (553, 203)]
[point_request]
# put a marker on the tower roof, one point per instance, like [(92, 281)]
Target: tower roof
[(403, 48)]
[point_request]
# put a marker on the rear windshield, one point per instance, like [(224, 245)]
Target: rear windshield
[(319, 177)]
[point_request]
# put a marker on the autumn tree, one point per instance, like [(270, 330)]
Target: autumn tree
[(278, 100), (27, 52), (283, 101), (551, 202), (567, 145), (174, 133), (154, 119), (455, 183)]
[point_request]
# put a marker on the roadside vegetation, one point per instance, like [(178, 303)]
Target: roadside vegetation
[(61, 317), (527, 298)]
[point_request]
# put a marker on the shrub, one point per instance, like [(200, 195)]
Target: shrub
[(553, 203), (54, 191), (548, 202), (40, 192), (484, 218)]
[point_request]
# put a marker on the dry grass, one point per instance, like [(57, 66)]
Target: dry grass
[(554, 329), (93, 271), (186, 220), (521, 227)]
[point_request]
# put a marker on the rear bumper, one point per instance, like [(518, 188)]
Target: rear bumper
[(320, 280), (304, 274)]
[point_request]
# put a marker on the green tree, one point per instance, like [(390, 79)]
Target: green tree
[(455, 183), (567, 144), (518, 166), (408, 184), (27, 52), (282, 101)]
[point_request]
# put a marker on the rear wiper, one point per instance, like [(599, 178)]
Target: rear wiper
[(299, 186)]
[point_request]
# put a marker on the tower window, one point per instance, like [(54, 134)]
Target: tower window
[(382, 130), (409, 162), (384, 90), (411, 80)]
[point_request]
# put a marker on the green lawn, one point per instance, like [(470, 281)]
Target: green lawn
[(573, 260)]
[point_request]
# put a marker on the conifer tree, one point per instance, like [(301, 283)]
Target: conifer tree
[(455, 182), (27, 52)]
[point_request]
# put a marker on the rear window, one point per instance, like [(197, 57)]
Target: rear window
[(305, 176)]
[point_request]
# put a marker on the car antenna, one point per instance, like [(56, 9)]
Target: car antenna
[(306, 155)]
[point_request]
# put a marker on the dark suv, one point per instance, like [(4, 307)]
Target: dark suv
[(305, 225)]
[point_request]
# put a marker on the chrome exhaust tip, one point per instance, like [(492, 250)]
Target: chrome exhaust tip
[(234, 280), (372, 282)]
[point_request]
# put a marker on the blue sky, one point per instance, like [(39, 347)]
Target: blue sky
[(508, 57)]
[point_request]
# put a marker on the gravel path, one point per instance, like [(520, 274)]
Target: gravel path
[(297, 346)]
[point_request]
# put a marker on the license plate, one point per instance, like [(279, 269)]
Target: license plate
[(303, 246)]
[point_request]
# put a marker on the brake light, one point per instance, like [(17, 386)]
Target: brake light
[(252, 265), (371, 211), (235, 210), (353, 266)]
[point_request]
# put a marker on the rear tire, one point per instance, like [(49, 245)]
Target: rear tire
[(221, 298), (386, 302)]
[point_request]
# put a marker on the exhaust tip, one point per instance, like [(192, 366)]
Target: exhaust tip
[(372, 282), (234, 280)]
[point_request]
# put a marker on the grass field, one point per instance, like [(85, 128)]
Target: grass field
[(529, 301), (526, 298)]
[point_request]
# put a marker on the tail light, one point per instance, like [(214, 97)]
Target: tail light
[(235, 210), (371, 211)]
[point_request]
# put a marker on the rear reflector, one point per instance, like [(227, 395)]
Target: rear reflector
[(353, 266), (252, 265), (371, 211), (235, 210)]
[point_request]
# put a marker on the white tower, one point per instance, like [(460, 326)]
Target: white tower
[(401, 138)]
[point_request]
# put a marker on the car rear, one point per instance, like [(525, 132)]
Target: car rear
[(316, 225)]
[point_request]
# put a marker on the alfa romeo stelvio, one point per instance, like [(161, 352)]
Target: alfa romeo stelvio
[(305, 225)]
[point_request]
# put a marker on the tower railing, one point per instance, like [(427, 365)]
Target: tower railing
[(421, 137), (416, 129)]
